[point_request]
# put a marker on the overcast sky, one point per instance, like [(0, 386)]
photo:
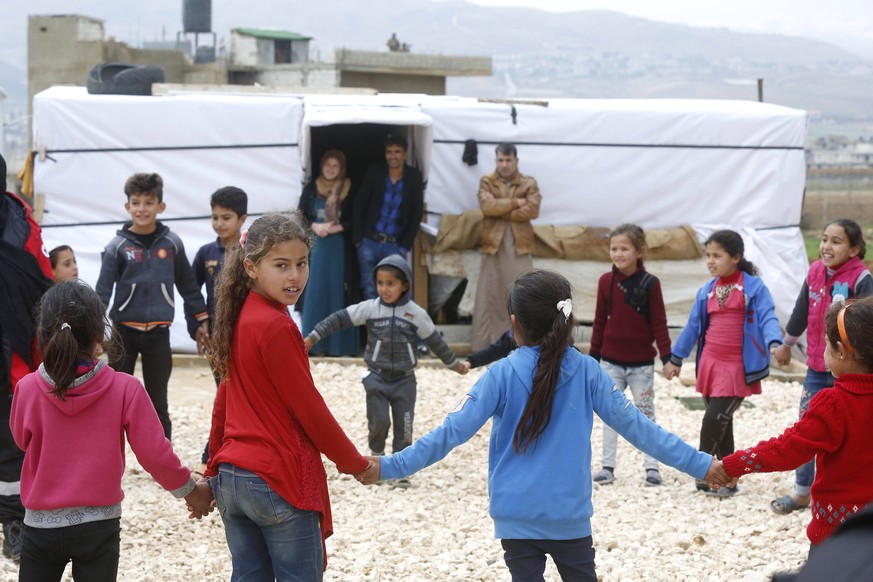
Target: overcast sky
[(846, 23)]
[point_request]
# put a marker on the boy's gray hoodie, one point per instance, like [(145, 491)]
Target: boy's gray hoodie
[(391, 329)]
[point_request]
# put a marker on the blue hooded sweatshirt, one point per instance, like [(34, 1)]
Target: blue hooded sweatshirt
[(544, 493)]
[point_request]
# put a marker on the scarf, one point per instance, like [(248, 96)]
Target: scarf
[(333, 192)]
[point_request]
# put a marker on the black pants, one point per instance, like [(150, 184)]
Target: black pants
[(526, 559), (717, 430), (157, 363), (399, 395), (93, 548), (11, 458)]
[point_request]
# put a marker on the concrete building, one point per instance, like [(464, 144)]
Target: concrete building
[(61, 49), (282, 58)]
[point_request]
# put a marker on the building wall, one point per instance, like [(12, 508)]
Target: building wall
[(323, 77), (243, 50), (395, 83)]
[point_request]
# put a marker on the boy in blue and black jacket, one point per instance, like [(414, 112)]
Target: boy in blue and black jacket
[(143, 263)]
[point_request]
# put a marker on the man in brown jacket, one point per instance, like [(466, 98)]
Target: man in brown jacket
[(507, 199)]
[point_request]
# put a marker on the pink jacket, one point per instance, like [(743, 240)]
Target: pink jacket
[(74, 448)]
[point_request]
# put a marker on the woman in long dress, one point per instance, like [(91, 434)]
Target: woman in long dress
[(326, 204)]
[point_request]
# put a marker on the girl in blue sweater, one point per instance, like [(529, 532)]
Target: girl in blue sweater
[(542, 399)]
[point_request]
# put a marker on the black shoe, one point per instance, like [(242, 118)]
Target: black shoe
[(12, 536)]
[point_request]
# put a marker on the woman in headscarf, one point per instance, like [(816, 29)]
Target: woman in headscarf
[(326, 204)]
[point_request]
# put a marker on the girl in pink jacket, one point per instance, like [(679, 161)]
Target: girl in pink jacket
[(70, 418)]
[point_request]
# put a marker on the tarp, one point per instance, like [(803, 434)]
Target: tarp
[(657, 163)]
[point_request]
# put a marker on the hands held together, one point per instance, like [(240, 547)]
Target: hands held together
[(671, 370), (717, 477), (200, 501), (370, 475)]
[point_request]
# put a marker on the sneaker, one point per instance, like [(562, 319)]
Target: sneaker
[(701, 485), (724, 492), (12, 537), (604, 476), (402, 483), (653, 477)]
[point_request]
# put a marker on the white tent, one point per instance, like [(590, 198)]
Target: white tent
[(658, 163)]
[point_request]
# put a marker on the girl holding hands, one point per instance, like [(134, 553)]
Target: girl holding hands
[(733, 324), (542, 399)]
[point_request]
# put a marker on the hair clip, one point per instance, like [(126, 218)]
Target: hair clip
[(565, 307), (841, 326), (243, 236)]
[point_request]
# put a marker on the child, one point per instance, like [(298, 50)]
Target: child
[(63, 262), (393, 323), (270, 424), (834, 429), (733, 324), (838, 274), (70, 418), (229, 213), (499, 349), (542, 399), (629, 317), (143, 262)]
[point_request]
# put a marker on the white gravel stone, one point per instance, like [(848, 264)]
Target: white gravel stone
[(439, 529)]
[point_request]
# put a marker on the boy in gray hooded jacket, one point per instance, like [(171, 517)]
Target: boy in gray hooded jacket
[(393, 323)]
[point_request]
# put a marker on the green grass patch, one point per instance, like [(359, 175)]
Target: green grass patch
[(811, 240), (696, 402)]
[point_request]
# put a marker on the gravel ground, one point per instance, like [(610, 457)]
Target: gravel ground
[(439, 529)]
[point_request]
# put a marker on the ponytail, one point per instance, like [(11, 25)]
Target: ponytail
[(71, 321), (534, 301)]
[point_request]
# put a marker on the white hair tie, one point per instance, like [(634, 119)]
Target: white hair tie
[(66, 325), (565, 307)]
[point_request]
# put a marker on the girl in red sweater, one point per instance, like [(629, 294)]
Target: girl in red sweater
[(628, 319), (270, 425), (834, 429)]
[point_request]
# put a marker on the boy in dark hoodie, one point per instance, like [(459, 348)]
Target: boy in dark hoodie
[(393, 323)]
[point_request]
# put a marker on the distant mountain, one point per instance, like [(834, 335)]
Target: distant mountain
[(536, 53)]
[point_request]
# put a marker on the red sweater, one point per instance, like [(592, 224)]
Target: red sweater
[(835, 431), (624, 331), (270, 419)]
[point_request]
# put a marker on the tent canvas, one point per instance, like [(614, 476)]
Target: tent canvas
[(658, 163)]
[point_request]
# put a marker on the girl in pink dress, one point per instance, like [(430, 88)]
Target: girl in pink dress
[(733, 324)]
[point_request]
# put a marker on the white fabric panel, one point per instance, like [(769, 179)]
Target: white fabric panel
[(88, 187), (657, 163), (603, 162)]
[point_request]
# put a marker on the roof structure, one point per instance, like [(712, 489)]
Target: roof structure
[(271, 34)]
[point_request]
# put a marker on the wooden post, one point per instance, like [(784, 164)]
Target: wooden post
[(419, 269)]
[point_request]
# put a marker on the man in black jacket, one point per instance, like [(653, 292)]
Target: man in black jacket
[(387, 211)]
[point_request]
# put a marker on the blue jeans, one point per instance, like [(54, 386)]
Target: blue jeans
[(641, 381), (814, 383), (268, 538), (370, 253)]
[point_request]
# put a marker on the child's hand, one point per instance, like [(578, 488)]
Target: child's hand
[(200, 501), (371, 474), (468, 365), (716, 476), (462, 368), (308, 342), (782, 354), (201, 336), (671, 370)]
